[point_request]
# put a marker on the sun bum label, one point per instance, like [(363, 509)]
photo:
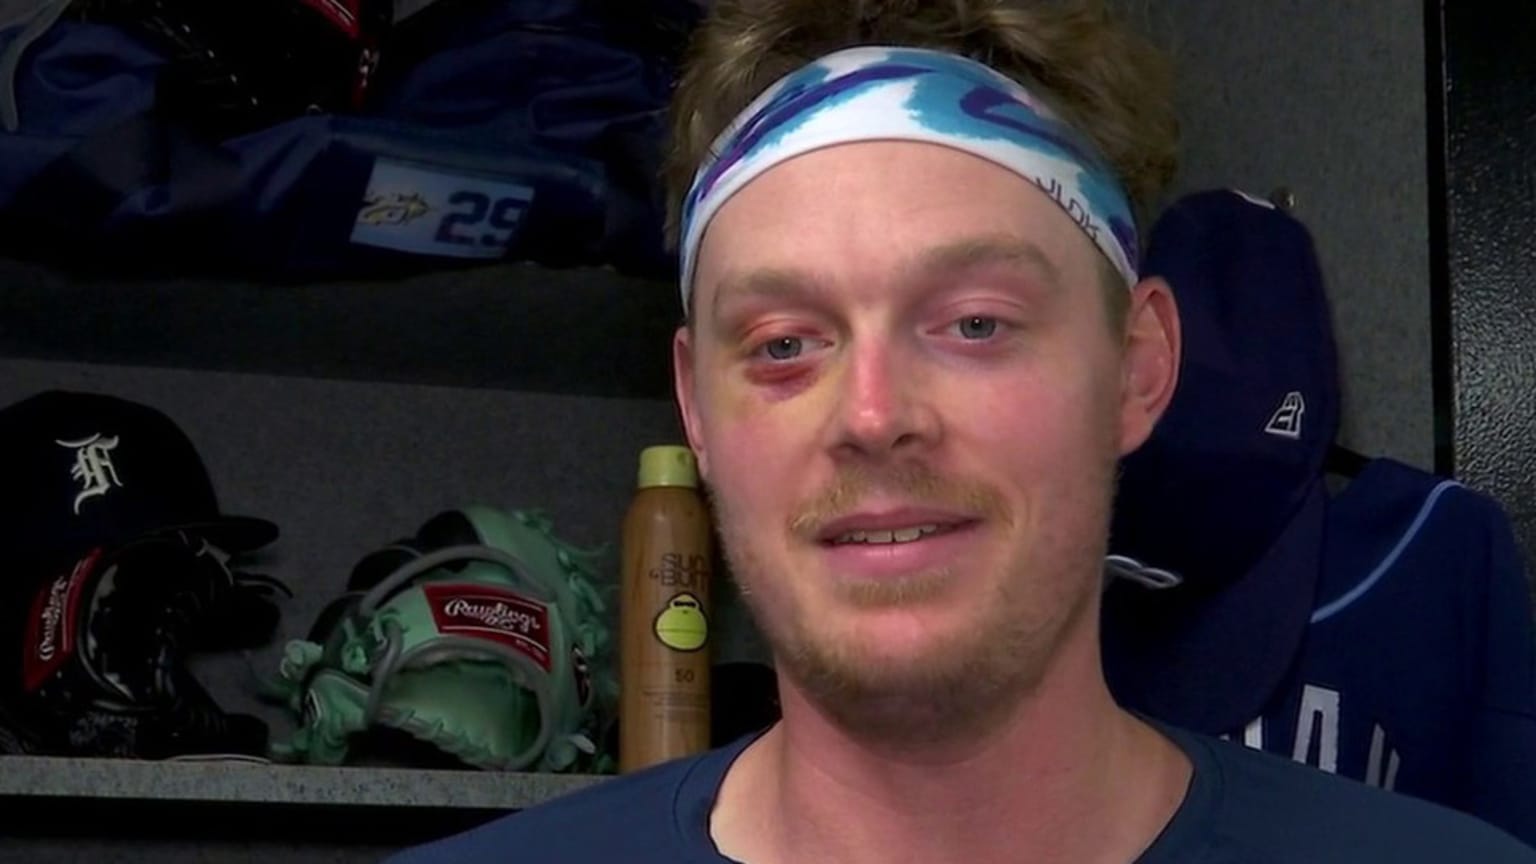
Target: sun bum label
[(493, 614), (53, 621), (681, 572)]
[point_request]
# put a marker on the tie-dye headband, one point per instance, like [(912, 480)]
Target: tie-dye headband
[(910, 94)]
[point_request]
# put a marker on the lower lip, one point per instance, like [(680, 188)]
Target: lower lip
[(895, 560)]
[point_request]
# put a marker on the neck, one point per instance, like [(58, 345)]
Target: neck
[(1064, 758)]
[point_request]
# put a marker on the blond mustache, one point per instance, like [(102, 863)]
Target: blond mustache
[(914, 482)]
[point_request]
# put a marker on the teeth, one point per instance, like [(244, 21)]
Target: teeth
[(900, 535)]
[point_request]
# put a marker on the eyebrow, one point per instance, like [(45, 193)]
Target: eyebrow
[(769, 282), (972, 252), (957, 256)]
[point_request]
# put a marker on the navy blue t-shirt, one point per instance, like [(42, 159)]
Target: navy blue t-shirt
[(1242, 807)]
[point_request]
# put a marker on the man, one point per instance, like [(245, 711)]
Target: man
[(916, 348)]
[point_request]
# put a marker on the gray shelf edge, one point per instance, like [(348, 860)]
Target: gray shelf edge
[(580, 331), (250, 783)]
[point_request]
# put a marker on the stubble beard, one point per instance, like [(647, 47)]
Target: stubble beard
[(964, 681)]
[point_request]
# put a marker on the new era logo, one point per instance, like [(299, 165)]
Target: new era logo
[(1286, 421)]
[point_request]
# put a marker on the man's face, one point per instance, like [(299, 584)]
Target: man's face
[(907, 401)]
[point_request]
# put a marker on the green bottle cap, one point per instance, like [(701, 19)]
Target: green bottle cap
[(668, 465)]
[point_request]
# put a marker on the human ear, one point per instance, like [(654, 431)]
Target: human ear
[(1150, 360)]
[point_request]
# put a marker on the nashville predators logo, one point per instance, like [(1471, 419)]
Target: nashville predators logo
[(394, 208)]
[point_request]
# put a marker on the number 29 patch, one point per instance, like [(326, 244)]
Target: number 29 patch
[(427, 210)]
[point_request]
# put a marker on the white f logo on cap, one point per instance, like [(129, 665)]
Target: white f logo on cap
[(93, 468), (1286, 421)]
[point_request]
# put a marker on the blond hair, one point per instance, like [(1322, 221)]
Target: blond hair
[(1107, 82)]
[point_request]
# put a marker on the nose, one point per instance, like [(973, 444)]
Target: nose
[(885, 403)]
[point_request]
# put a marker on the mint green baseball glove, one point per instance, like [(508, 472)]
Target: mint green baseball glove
[(495, 651)]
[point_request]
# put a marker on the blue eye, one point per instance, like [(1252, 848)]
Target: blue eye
[(785, 348), (977, 327)]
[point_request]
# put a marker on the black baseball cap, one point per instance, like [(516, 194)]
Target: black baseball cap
[(86, 470)]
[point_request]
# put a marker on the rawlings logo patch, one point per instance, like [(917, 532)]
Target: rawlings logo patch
[(493, 614), (51, 624)]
